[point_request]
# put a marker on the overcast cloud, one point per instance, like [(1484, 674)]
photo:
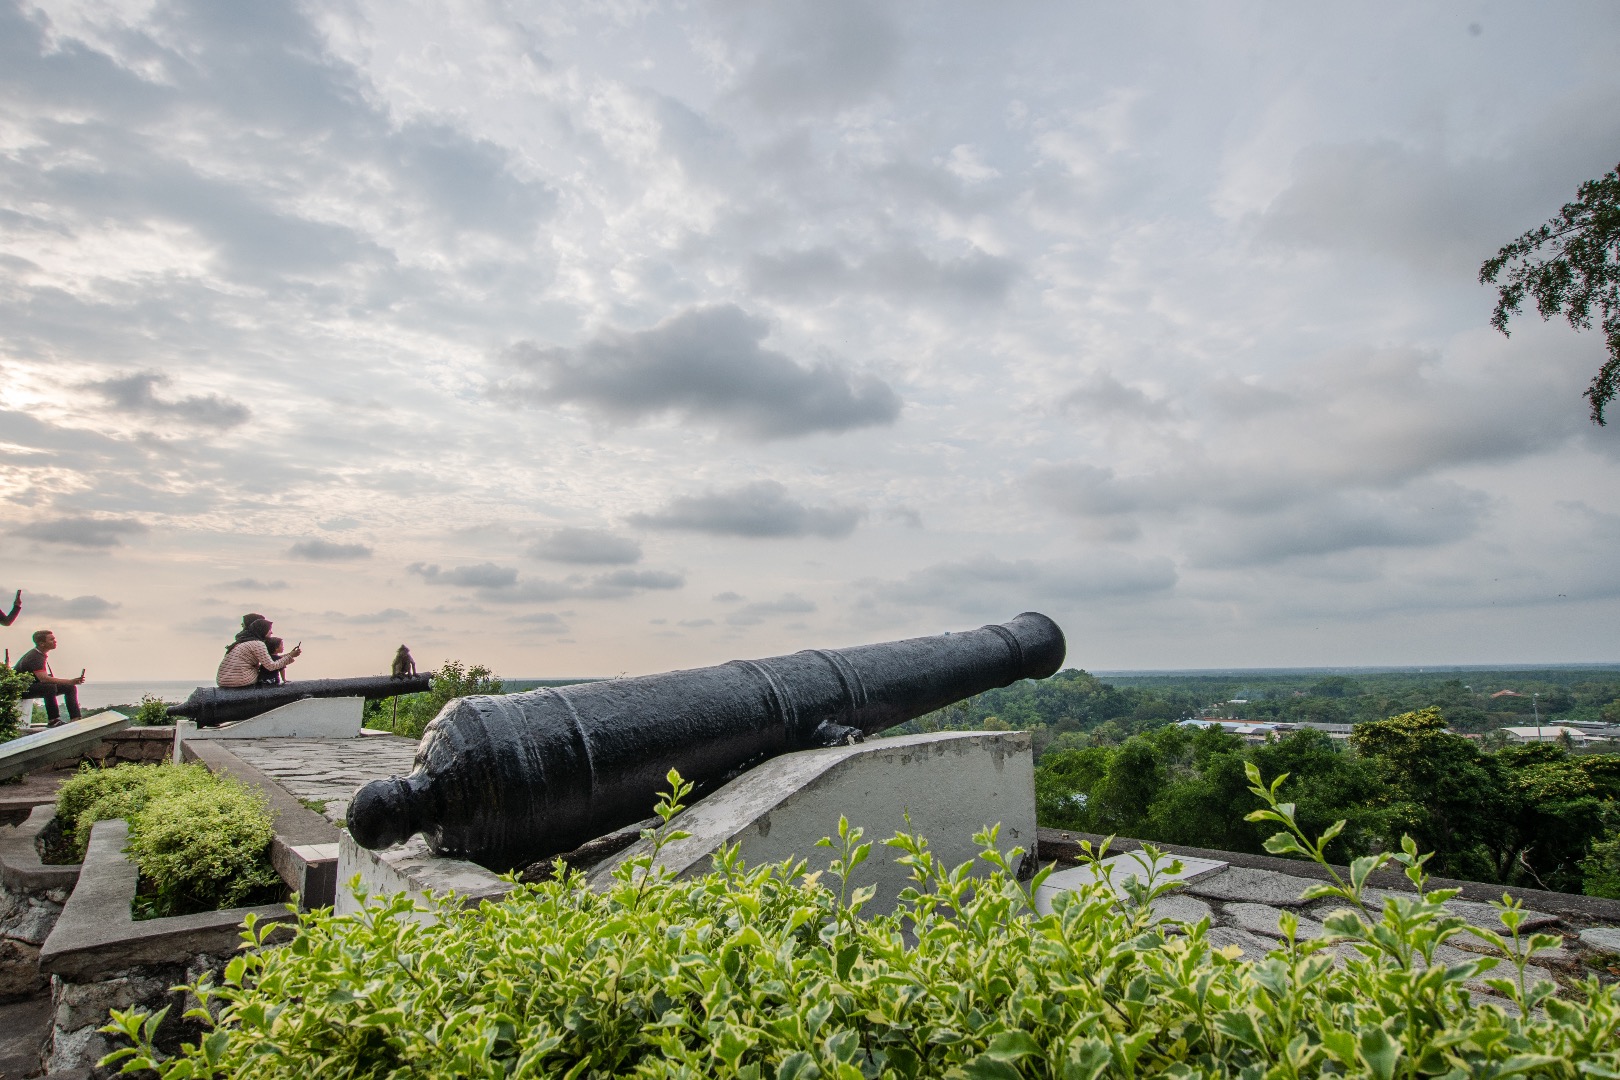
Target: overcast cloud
[(634, 337)]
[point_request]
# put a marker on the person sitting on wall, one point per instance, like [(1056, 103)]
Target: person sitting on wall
[(248, 660), (46, 685)]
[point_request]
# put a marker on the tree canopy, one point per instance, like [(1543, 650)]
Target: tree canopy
[(1579, 272)]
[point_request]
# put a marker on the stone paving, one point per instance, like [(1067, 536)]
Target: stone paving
[(1245, 907), (326, 771)]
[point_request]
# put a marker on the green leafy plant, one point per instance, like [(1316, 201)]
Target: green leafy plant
[(410, 714), (200, 841), (1579, 271), (760, 972), (13, 684), (153, 712)]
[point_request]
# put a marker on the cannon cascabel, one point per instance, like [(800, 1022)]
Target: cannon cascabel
[(505, 781)]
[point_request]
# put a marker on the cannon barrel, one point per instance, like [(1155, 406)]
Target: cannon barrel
[(505, 781), (212, 705)]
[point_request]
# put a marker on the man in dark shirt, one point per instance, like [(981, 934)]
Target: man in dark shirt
[(47, 685)]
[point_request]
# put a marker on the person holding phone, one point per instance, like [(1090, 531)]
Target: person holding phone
[(248, 661), (46, 685)]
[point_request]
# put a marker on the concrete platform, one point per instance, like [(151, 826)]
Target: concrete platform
[(411, 868), (97, 936), (20, 867), (952, 784), (29, 752), (307, 718)]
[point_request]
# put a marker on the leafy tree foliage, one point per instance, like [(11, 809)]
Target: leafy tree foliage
[(1534, 815), (1580, 271), (410, 714)]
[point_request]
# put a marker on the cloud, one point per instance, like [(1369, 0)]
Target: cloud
[(326, 551), (540, 622), (706, 365), (501, 584), (85, 532), (586, 546), (480, 576), (639, 579), (1336, 523), (387, 615), (759, 510), (251, 584), (1000, 587), (821, 55), (757, 612), (79, 607), (902, 271), (1103, 394), (134, 393)]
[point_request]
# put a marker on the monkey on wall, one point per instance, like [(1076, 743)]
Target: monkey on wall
[(404, 666)]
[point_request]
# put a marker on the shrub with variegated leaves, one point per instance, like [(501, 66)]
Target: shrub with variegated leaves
[(775, 972)]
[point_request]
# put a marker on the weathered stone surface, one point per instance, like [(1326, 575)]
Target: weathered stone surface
[(1180, 909), (1254, 946), (326, 772), (1238, 884), (25, 1029), (31, 923), (19, 970), (1265, 919), (1602, 938), (79, 1004), (77, 1050), (1486, 915)]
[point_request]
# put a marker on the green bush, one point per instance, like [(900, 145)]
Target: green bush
[(12, 685), (410, 714), (767, 972), (201, 841), (153, 712)]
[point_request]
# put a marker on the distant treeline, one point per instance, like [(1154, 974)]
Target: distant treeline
[(1111, 760)]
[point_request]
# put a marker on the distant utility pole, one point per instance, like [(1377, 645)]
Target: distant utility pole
[(1537, 710)]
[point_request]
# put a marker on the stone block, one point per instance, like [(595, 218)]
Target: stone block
[(77, 1052), (1266, 920), (1252, 946), (1602, 939), (1179, 909), (79, 1004), (40, 748), (1117, 870), (19, 970), (31, 923), (1242, 885), (1487, 916)]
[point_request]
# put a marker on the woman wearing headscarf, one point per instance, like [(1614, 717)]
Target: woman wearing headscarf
[(247, 660)]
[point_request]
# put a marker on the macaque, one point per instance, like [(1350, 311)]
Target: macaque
[(404, 666)]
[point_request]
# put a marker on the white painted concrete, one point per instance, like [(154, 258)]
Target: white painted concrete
[(307, 718), (43, 746), (409, 868), (952, 784), (1119, 869)]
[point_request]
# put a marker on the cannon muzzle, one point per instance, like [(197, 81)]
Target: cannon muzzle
[(506, 781), (213, 705)]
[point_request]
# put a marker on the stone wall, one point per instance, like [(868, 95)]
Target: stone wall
[(80, 1010), (134, 744)]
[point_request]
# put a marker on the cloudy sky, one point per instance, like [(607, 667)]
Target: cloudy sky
[(584, 343)]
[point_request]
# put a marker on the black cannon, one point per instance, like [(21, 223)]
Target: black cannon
[(506, 781), (213, 705)]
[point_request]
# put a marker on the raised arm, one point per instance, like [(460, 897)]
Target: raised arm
[(16, 606)]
